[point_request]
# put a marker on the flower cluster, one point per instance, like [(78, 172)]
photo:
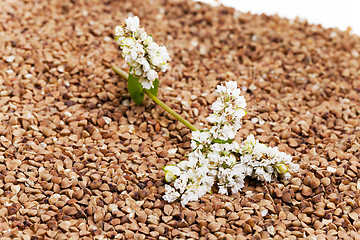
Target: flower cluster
[(227, 111), (217, 162), (145, 57), (265, 163)]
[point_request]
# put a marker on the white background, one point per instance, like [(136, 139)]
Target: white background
[(328, 13)]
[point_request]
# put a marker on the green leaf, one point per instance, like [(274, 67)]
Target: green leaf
[(155, 88), (135, 89)]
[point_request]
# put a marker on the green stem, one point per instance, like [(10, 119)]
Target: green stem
[(124, 75), (169, 110), (120, 72)]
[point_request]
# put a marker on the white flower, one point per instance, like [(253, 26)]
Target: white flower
[(228, 132), (207, 182), (231, 85), (170, 194), (138, 71), (186, 165), (173, 169), (239, 113), (281, 168), (259, 149), (147, 40), (202, 138), (181, 183), (223, 190), (152, 74), (188, 197), (217, 106), (146, 83), (128, 41), (132, 23), (221, 89), (144, 63), (215, 118), (119, 30), (202, 171), (164, 53)]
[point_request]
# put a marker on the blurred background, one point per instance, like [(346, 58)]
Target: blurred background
[(328, 13)]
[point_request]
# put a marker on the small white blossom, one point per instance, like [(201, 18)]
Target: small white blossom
[(119, 30), (200, 139), (170, 195), (132, 23), (173, 169)]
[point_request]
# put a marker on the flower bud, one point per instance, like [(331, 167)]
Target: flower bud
[(281, 168), (169, 177), (171, 172), (119, 30)]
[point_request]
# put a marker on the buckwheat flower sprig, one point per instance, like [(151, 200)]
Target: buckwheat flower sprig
[(145, 58), (217, 162)]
